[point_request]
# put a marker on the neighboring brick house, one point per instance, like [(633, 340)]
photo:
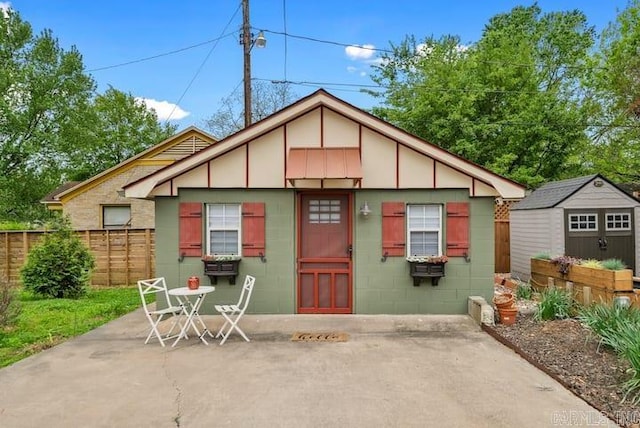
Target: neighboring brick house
[(99, 202)]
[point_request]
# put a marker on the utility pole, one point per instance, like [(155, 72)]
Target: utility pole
[(246, 45)]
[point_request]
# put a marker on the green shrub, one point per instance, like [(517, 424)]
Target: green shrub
[(524, 291), (592, 263), (542, 256), (618, 329), (9, 304), (613, 264), (59, 266), (555, 303)]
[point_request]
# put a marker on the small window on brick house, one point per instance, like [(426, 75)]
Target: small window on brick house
[(116, 216)]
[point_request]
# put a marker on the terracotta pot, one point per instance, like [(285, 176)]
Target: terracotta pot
[(503, 301), (508, 315), (193, 283)]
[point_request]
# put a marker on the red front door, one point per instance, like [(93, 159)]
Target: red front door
[(324, 253)]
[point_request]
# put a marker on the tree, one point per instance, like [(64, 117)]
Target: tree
[(54, 126), (120, 127), (44, 95), (267, 98), (510, 102), (615, 91)]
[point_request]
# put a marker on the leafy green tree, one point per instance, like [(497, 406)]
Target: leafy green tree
[(59, 266), (54, 126), (511, 102), (266, 98), (120, 127), (615, 91), (44, 95)]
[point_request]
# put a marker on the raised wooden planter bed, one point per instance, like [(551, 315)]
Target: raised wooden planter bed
[(602, 284)]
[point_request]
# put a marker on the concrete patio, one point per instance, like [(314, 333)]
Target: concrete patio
[(404, 371)]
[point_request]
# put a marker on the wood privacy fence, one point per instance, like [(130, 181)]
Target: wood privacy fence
[(502, 237), (122, 256)]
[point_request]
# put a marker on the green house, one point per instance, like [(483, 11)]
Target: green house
[(324, 204)]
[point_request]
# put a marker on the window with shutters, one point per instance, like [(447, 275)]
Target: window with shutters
[(424, 229), (223, 229)]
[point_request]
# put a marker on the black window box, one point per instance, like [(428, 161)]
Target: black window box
[(217, 268), (422, 270)]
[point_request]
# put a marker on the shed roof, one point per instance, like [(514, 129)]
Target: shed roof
[(551, 194)]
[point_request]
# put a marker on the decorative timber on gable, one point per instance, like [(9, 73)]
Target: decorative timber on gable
[(259, 157)]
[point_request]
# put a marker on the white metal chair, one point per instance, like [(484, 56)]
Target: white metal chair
[(147, 287), (233, 313)]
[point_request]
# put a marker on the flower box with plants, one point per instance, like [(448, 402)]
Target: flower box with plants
[(221, 265), (421, 267), (608, 275)]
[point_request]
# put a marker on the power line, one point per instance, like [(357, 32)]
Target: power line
[(160, 55), (284, 19), (201, 65), (329, 42), (422, 87), (344, 87)]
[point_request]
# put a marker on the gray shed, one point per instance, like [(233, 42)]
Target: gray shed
[(587, 217)]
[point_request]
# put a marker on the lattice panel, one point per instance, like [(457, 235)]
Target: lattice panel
[(501, 211)]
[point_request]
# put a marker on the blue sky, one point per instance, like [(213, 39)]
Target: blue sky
[(195, 80)]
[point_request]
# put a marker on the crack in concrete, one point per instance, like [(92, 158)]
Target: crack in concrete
[(175, 385)]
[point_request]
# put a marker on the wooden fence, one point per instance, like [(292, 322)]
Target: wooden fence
[(502, 237), (122, 256), (126, 255)]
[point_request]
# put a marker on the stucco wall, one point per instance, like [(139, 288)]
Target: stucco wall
[(274, 290), (85, 209), (379, 287), (387, 288)]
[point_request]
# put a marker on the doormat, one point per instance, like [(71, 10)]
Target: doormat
[(320, 337)]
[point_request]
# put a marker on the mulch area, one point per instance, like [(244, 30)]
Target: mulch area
[(568, 352)]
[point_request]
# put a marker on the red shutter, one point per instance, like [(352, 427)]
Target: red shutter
[(457, 229), (393, 238), (253, 229), (190, 229)]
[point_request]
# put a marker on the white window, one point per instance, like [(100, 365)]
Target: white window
[(583, 222), (424, 228), (223, 229), (116, 216), (618, 221)]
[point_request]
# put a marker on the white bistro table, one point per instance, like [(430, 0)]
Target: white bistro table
[(191, 310)]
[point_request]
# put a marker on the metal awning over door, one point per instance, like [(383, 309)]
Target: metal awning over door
[(326, 163)]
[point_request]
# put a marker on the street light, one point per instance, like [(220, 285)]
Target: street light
[(247, 42)]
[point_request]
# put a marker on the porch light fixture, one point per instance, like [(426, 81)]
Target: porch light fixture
[(365, 210)]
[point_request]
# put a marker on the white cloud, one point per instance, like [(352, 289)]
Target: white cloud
[(363, 73), (4, 7), (164, 109), (357, 52), (352, 69)]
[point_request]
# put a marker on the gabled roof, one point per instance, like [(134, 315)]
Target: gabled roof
[(159, 148), (551, 194), (51, 197), (144, 187)]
